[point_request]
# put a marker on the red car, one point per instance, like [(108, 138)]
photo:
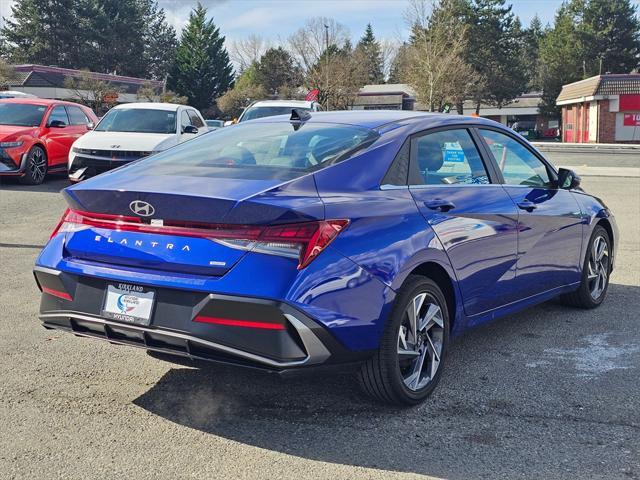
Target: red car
[(36, 135)]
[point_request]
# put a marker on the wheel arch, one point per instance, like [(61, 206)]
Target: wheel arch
[(40, 143), (606, 224), (439, 274)]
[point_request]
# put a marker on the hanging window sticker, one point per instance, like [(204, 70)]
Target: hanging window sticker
[(453, 153)]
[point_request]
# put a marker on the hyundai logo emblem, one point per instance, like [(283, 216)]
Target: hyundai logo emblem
[(141, 208)]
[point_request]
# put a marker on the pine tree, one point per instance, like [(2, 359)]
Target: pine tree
[(160, 41), (530, 51), (369, 51), (561, 54), (611, 35), (494, 37), (38, 31), (276, 69), (202, 70), (129, 37)]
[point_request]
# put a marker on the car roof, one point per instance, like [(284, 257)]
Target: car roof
[(378, 118), (38, 101), (151, 106), (282, 103)]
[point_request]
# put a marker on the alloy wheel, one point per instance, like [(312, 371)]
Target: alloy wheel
[(420, 341), (598, 267), (37, 165)]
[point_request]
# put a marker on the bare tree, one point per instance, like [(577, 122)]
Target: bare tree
[(434, 64), (388, 50), (248, 51), (7, 74), (91, 91), (147, 92), (308, 43)]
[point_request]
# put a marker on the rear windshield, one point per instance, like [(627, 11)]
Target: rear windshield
[(259, 112), (260, 151), (20, 114), (138, 120)]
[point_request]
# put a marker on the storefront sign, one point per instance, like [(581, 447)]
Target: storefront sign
[(631, 120)]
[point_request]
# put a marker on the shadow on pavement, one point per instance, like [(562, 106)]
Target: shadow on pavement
[(496, 414), (52, 184)]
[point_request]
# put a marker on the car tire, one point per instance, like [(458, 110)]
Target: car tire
[(394, 375), (36, 168), (596, 271)]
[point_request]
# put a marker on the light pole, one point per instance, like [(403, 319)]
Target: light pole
[(326, 53)]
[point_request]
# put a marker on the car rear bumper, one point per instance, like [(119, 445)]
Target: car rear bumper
[(298, 342)]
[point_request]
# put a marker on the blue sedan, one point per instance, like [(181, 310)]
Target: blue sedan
[(364, 240)]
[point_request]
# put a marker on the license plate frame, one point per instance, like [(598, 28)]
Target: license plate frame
[(129, 303)]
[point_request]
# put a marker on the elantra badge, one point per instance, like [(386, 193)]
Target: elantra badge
[(141, 208)]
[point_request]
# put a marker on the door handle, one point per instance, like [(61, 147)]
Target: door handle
[(527, 205), (439, 204)]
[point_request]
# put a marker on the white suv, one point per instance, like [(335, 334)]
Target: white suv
[(269, 108), (131, 131)]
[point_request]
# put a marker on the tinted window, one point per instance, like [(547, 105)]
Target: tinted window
[(259, 112), (59, 114), (518, 165), (141, 120), (195, 119), (21, 114), (445, 158), (399, 170), (77, 116), (264, 151)]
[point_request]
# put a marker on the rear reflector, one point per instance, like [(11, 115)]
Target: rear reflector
[(239, 323), (57, 293), (304, 241)]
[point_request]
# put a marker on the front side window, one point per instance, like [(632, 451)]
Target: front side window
[(22, 115), (195, 119), (138, 120), (77, 116), (518, 165), (446, 157), (185, 121), (279, 150), (59, 114)]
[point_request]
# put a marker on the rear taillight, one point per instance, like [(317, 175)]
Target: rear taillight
[(304, 241)]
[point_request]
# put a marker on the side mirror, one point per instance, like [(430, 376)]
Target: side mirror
[(57, 124), (568, 179), (190, 129), (228, 123), (91, 126)]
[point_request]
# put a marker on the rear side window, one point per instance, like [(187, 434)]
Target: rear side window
[(77, 116), (518, 165), (195, 119), (59, 114), (260, 151), (446, 157)]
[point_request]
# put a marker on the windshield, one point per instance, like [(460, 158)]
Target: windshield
[(139, 120), (259, 112), (21, 114), (259, 151)]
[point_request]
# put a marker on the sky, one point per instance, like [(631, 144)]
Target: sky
[(275, 20)]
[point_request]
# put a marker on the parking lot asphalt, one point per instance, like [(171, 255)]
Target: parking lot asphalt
[(551, 392)]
